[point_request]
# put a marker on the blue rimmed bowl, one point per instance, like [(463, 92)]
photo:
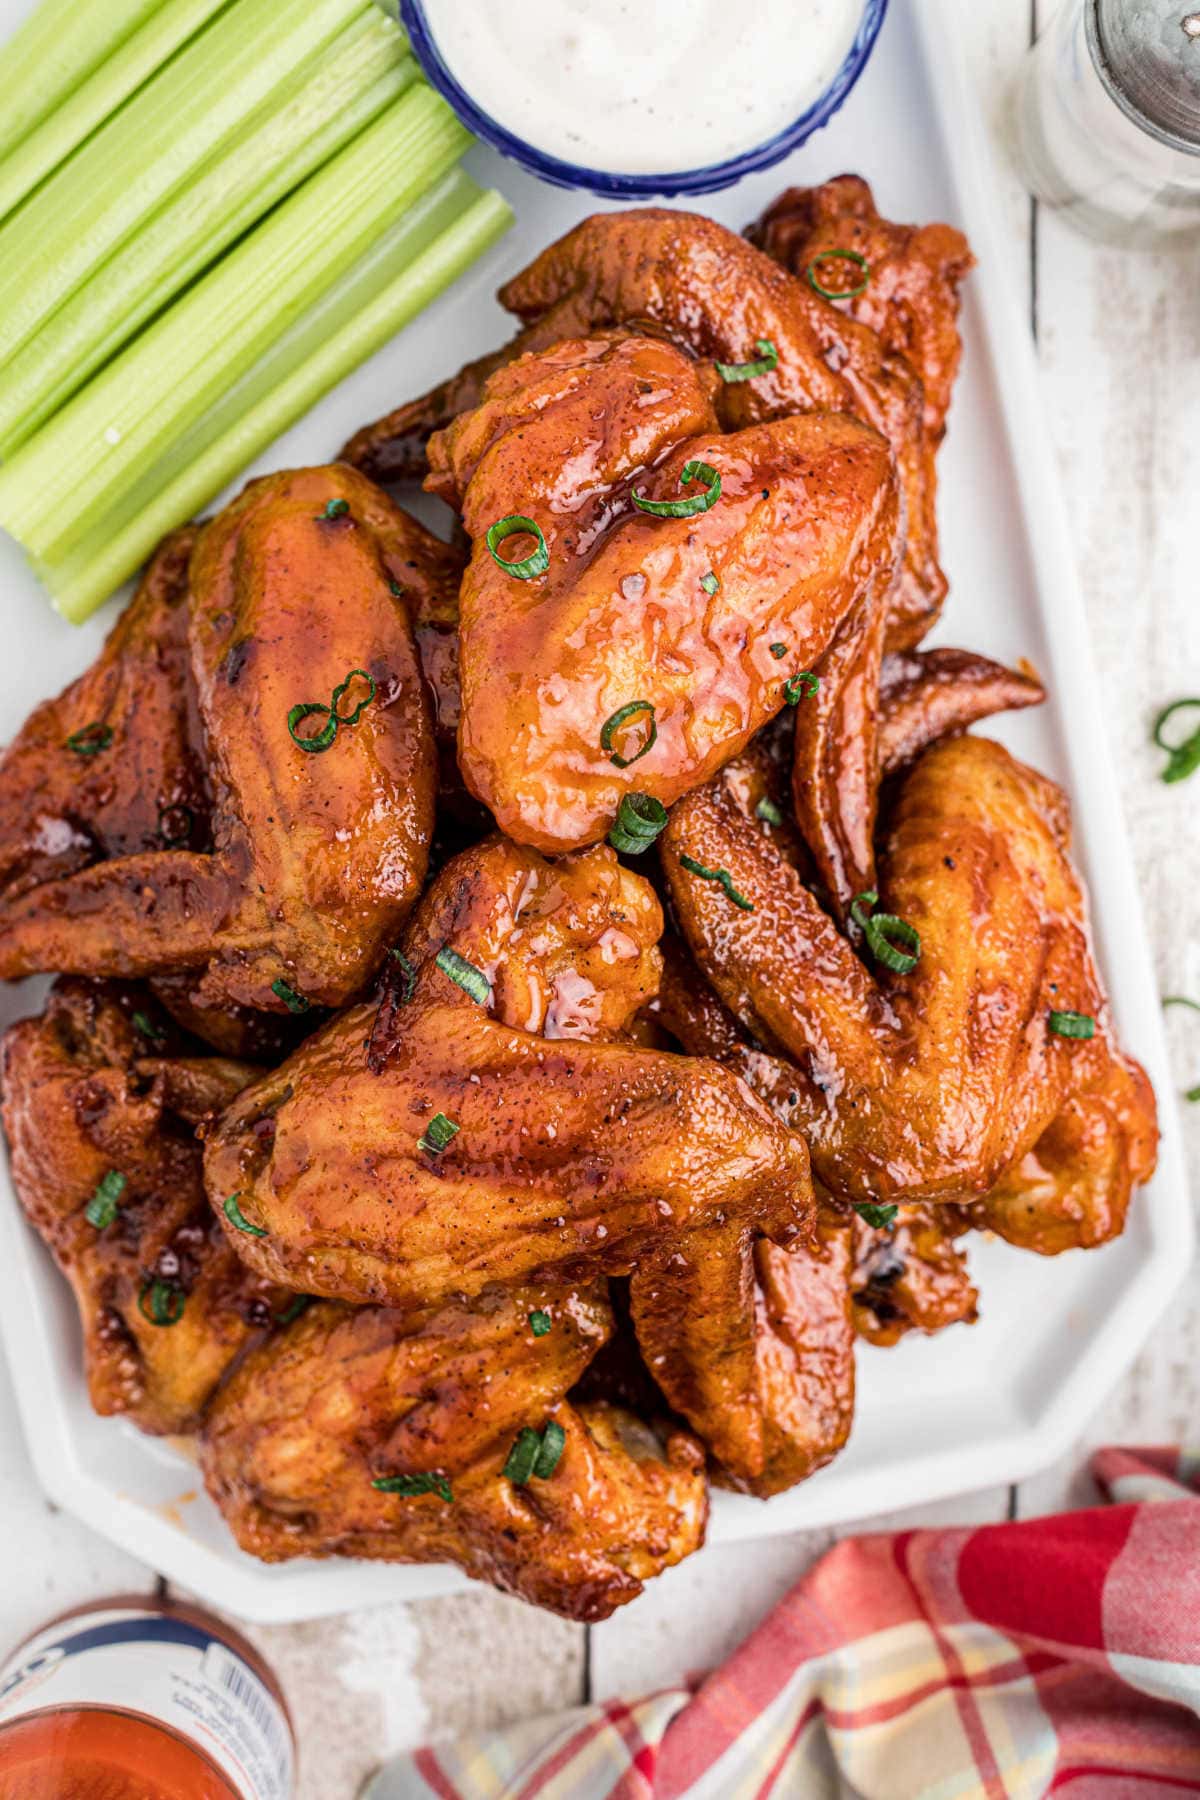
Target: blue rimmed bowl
[(626, 186)]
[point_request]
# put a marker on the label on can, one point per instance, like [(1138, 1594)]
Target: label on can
[(168, 1670)]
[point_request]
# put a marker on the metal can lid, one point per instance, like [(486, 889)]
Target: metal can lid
[(1147, 53)]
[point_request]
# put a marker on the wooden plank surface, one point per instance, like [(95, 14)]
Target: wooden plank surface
[(1122, 381)]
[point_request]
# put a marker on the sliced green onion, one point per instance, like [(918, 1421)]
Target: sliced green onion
[(640, 818), (799, 687), (778, 651), (747, 371), (880, 928), (880, 1218), (709, 583), (1183, 759), (101, 1209), (437, 1134), (1072, 1025), (850, 293), (465, 975), (695, 503), (722, 876), (234, 1214), (334, 509), (613, 724), (553, 1440), (91, 740), (175, 825), (768, 812), (1192, 1094), (409, 1487), (522, 1458), (409, 972), (352, 718), (295, 1003), (143, 1023), (1181, 1000), (161, 1302), (299, 1305), (540, 1323), (518, 525), (320, 740)]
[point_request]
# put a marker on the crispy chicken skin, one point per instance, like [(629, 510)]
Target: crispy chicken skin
[(803, 542), (568, 1155), (935, 1084), (911, 1275), (85, 1093), (754, 1345), (714, 295), (315, 858), (916, 271), (61, 811), (343, 1398), (930, 694)]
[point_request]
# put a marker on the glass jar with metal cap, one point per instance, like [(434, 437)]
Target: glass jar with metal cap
[(1107, 118)]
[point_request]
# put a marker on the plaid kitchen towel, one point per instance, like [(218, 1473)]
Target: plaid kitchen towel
[(1055, 1656)]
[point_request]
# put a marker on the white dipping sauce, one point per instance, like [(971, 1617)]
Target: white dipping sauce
[(644, 87)]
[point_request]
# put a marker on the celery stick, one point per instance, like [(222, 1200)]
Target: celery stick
[(120, 75), (55, 49), (318, 354), (348, 85), (92, 204), (91, 452)]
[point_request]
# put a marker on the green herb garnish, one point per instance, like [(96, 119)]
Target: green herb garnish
[(295, 1003), (799, 687), (233, 1213), (778, 651), (437, 1134), (465, 975), (299, 1305), (141, 1022), (880, 1218), (710, 583), (1183, 758), (334, 509), (722, 876), (91, 739), (535, 1455), (850, 293), (614, 722), (409, 1487), (1072, 1025), (518, 525), (768, 812), (540, 1323), (747, 371), (640, 818), (305, 709), (879, 929), (695, 503), (161, 1302), (101, 1209), (408, 970)]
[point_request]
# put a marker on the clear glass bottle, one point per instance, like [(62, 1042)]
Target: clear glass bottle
[(142, 1699), (1106, 118)]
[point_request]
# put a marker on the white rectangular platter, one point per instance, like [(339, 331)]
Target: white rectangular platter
[(974, 1407)]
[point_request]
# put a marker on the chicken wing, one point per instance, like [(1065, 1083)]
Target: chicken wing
[(650, 648), (933, 1084), (716, 296), (754, 1345), (930, 694), (316, 857), (346, 1399), (910, 287), (439, 1141), (100, 1106), (909, 1275)]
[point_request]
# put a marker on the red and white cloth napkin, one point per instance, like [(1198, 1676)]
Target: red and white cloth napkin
[(1056, 1656)]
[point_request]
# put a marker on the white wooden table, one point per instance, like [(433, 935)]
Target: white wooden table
[(1117, 338)]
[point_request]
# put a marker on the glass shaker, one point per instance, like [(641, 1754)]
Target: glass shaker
[(1107, 118)]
